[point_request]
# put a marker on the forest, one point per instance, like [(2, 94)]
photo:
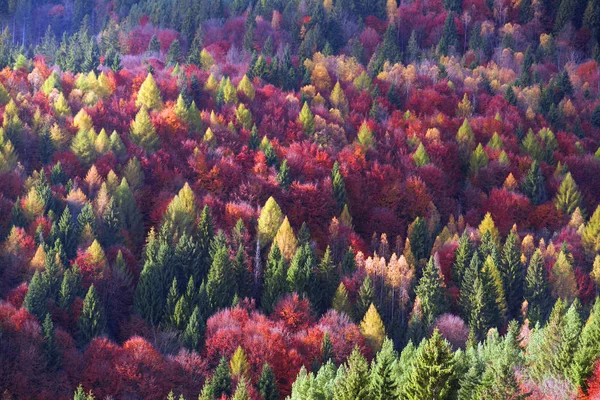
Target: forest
[(300, 200)]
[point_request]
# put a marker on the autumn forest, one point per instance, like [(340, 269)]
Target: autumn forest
[(300, 200)]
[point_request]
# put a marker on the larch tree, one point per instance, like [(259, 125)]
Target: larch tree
[(365, 135), (590, 237), (568, 197), (564, 284), (269, 221), (307, 120), (143, 132), (238, 364), (286, 240), (372, 328), (148, 95)]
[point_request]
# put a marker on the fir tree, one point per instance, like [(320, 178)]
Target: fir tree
[(339, 187), (382, 385), (354, 384), (193, 333), (275, 279), (221, 285), (512, 275), (283, 176), (366, 297), (588, 349), (267, 387), (91, 320), (534, 185), (431, 292), (52, 355)]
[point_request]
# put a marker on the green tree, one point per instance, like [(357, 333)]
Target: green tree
[(464, 254), (52, 355), (354, 384), (568, 197), (299, 272), (174, 55), (449, 36), (421, 158), (366, 297), (91, 321), (149, 296), (221, 379), (149, 95), (221, 284), (339, 187), (306, 119), (537, 290), (283, 175), (193, 333), (143, 132), (511, 271), (274, 278), (588, 349), (83, 148), (534, 185), (267, 387), (432, 372), (431, 292), (382, 383)]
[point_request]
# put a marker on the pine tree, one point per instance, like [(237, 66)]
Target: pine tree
[(372, 328), (534, 185), (221, 285), (91, 321), (143, 132), (511, 271), (568, 197), (149, 95), (432, 372), (431, 292), (382, 385), (267, 387), (537, 291)]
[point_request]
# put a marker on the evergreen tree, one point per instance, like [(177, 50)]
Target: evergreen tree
[(35, 299), (275, 279), (534, 185), (174, 55), (267, 387), (193, 333), (366, 297), (588, 349), (299, 272), (221, 284), (432, 372), (69, 288), (464, 254), (149, 296), (283, 176), (354, 384), (537, 291), (382, 385), (339, 187), (511, 271), (91, 321), (52, 355), (431, 292), (221, 379), (449, 37)]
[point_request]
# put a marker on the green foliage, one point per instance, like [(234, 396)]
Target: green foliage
[(431, 292), (221, 284), (92, 320)]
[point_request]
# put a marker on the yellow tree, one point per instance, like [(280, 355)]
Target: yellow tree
[(239, 364), (142, 131), (149, 95), (372, 329), (564, 284), (590, 238), (365, 135), (286, 240), (246, 87), (269, 221), (488, 225)]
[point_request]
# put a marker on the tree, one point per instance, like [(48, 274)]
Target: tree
[(149, 95), (568, 197), (479, 159), (590, 237), (339, 187), (193, 333), (306, 119), (269, 221), (564, 284), (511, 271), (35, 299), (80, 394), (432, 373), (149, 294), (449, 37), (91, 321), (365, 135), (340, 301), (382, 385), (537, 290), (421, 158), (241, 391), (366, 297), (431, 292), (588, 349), (300, 270), (372, 328), (52, 355), (534, 185), (174, 56), (464, 254), (354, 384), (143, 132), (267, 387), (221, 285), (239, 364), (83, 148), (275, 279)]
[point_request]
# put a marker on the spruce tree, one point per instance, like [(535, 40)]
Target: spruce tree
[(52, 355), (283, 176), (35, 299), (221, 284), (274, 279), (464, 254), (432, 372), (366, 297), (267, 386), (194, 331), (511, 271), (354, 384), (221, 379), (299, 272), (339, 187), (382, 382), (449, 37), (431, 292), (534, 185), (91, 321)]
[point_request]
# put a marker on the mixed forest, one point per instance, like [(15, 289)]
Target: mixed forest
[(304, 199)]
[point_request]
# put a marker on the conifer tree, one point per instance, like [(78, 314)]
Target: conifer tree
[(267, 387), (299, 272), (142, 131), (464, 254), (590, 237), (365, 135), (221, 285), (243, 277), (340, 301), (149, 296), (588, 349), (419, 239), (564, 284), (269, 221), (568, 197), (339, 187), (241, 391), (275, 279), (448, 38), (306, 119), (431, 292), (324, 282), (221, 379), (69, 288), (382, 383), (537, 291), (283, 176), (569, 338), (511, 271), (91, 321), (372, 328), (354, 384), (52, 355), (432, 373), (83, 148), (238, 364), (421, 158), (149, 95), (194, 331), (35, 299), (534, 185), (366, 297)]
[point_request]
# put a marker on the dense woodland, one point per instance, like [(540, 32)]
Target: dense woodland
[(305, 199)]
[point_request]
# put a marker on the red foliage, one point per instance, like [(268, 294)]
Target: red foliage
[(294, 312)]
